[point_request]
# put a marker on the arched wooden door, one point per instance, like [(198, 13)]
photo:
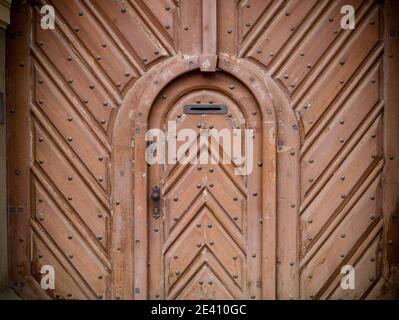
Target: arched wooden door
[(206, 241), (81, 97), (211, 231)]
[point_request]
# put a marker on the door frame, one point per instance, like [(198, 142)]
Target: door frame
[(130, 226), (234, 223)]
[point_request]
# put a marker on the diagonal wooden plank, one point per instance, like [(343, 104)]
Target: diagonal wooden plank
[(337, 192), (271, 42), (339, 72), (224, 218), (314, 46), (216, 273), (102, 48), (199, 283), (368, 265), (70, 242), (49, 159), (165, 17)]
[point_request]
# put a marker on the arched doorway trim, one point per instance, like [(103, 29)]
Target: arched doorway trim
[(129, 169)]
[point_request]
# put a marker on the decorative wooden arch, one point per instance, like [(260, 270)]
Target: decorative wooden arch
[(280, 186)]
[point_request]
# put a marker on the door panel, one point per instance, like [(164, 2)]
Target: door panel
[(323, 104), (206, 244)]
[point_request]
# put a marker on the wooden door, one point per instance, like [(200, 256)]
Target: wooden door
[(206, 243), (322, 101)]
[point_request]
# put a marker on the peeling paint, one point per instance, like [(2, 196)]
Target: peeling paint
[(131, 115), (206, 64)]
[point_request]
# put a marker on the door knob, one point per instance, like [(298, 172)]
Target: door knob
[(156, 202)]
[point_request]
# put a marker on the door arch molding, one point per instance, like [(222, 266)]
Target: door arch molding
[(128, 168)]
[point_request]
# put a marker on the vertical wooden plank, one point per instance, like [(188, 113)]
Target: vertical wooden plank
[(3, 200), (227, 27), (122, 225), (4, 22), (18, 144), (288, 199), (391, 134), (190, 27), (269, 208), (209, 36)]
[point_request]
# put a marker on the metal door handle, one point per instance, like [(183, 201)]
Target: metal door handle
[(156, 201)]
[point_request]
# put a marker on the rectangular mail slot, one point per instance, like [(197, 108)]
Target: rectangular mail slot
[(205, 109)]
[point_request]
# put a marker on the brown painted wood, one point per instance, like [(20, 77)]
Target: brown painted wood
[(208, 246), (391, 177), (209, 36), (19, 153), (81, 98)]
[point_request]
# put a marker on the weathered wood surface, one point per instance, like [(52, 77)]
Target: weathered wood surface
[(81, 97)]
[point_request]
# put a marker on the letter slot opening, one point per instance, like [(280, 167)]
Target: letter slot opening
[(205, 109)]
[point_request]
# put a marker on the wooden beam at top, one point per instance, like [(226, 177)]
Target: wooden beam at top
[(209, 36)]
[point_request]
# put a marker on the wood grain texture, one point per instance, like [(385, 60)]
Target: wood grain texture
[(19, 155), (209, 36), (323, 102), (208, 246), (391, 149)]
